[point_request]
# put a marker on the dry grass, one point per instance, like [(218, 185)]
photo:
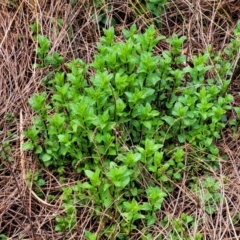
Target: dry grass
[(23, 215)]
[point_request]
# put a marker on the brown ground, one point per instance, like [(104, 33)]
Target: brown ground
[(23, 215)]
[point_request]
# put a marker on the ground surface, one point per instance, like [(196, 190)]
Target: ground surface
[(23, 215)]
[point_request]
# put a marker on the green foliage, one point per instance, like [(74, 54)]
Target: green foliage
[(90, 236), (5, 151), (233, 50), (6, 145), (68, 221), (43, 49), (224, 67), (208, 192), (236, 218), (102, 13), (179, 228), (235, 122), (10, 118), (3, 237), (130, 120), (35, 27), (35, 181), (156, 6)]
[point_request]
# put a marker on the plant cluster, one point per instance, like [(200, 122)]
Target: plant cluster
[(208, 192), (180, 228), (35, 181), (132, 120), (224, 66), (5, 153), (104, 17), (104, 11), (156, 8), (6, 145)]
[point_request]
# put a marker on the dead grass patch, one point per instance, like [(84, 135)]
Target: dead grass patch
[(26, 216)]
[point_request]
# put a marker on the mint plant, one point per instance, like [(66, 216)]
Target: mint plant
[(155, 196), (180, 227), (90, 236), (154, 8), (209, 194), (6, 144), (102, 13), (5, 151), (35, 181), (235, 122), (131, 120), (43, 48), (67, 222)]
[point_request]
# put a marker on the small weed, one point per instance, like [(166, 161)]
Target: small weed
[(209, 194), (10, 118), (35, 28), (235, 122), (36, 180), (46, 59), (179, 228), (67, 222), (236, 219), (156, 8), (43, 46), (6, 145), (5, 151), (90, 236), (102, 14)]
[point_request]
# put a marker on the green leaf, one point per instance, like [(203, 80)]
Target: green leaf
[(41, 182), (158, 156), (156, 197), (109, 36), (179, 110), (181, 138), (94, 177), (90, 236), (129, 33), (106, 197), (27, 146), (237, 110), (151, 219), (3, 237), (63, 138), (152, 79), (86, 185), (177, 176), (37, 101), (46, 158), (169, 120), (148, 124), (38, 150), (146, 206), (120, 176), (55, 59)]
